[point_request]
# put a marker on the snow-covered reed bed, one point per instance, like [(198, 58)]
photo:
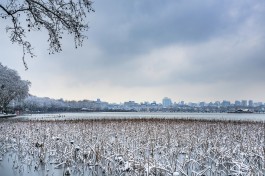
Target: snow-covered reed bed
[(133, 147)]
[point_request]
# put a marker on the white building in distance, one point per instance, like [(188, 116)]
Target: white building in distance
[(166, 102)]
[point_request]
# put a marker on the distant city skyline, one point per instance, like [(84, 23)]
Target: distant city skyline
[(139, 50), (167, 101), (38, 104)]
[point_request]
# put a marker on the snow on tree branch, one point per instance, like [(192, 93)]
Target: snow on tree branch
[(55, 16), (11, 86)]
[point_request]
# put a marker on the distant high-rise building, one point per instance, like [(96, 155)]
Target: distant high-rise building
[(201, 104), (166, 102), (250, 103), (237, 103), (192, 104), (153, 103), (226, 103), (211, 104), (217, 103), (244, 103), (258, 104), (130, 104)]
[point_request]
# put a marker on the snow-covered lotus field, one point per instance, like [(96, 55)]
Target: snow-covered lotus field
[(131, 147)]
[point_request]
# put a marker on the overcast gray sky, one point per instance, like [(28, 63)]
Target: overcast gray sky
[(144, 50)]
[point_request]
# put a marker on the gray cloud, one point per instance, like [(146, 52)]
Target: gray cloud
[(165, 47), (138, 26)]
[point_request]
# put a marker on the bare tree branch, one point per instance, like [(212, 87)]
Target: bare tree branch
[(55, 16)]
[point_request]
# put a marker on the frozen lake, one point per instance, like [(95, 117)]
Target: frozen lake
[(144, 115)]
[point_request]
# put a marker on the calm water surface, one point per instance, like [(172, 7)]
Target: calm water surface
[(144, 115)]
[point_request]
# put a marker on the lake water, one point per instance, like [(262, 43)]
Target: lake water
[(144, 115)]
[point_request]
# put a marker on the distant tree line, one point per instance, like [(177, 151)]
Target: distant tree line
[(34, 104)]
